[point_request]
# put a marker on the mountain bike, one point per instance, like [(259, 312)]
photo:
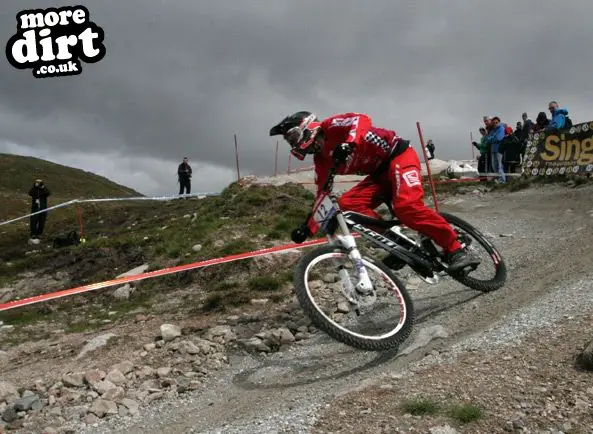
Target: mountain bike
[(362, 289)]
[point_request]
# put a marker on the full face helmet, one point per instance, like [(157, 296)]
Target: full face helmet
[(299, 130)]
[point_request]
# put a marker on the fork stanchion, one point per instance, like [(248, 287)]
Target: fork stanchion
[(434, 193)]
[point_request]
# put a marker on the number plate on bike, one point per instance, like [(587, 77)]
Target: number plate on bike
[(324, 211)]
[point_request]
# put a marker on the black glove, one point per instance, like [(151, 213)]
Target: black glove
[(300, 234), (341, 153)]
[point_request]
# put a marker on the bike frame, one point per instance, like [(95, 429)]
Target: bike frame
[(428, 270)]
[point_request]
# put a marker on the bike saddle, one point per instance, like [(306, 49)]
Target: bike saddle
[(365, 220)]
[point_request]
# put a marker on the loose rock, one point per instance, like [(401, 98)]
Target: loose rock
[(123, 292), (116, 377), (101, 407), (8, 392), (585, 358), (75, 379), (169, 332)]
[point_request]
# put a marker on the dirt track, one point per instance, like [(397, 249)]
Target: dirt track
[(549, 228)]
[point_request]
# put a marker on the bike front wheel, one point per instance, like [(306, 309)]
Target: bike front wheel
[(379, 325)]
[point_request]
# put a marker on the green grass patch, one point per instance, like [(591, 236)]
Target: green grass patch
[(225, 285), (219, 301), (420, 406), (286, 276), (465, 413), (234, 247), (26, 316), (83, 326), (264, 283)]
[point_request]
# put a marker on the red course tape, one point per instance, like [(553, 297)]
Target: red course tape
[(149, 275)]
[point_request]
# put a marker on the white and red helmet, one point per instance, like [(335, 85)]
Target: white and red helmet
[(299, 130)]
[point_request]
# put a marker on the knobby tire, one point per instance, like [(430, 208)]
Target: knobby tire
[(499, 278)]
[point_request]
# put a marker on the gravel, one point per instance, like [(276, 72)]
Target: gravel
[(557, 305)]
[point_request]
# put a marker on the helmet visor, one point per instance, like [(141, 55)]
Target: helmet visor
[(293, 136)]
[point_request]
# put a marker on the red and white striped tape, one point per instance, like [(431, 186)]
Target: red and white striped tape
[(151, 274)]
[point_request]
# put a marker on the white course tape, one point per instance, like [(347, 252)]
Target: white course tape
[(71, 202), (109, 199)]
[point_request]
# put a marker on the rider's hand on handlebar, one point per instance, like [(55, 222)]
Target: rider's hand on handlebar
[(300, 234)]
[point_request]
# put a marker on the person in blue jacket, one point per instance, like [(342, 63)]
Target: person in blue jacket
[(558, 116), (494, 139)]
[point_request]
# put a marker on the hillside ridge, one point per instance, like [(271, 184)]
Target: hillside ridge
[(17, 173)]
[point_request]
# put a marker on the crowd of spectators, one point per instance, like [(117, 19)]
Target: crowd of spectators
[(502, 149)]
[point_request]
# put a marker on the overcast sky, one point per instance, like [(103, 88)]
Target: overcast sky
[(181, 77)]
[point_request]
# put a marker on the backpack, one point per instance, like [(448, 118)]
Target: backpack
[(71, 239)]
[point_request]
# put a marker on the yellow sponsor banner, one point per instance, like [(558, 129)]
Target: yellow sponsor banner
[(560, 152)]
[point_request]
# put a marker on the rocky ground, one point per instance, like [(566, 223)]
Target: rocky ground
[(261, 371), (534, 383)]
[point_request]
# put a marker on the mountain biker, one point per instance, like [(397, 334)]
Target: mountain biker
[(352, 145)]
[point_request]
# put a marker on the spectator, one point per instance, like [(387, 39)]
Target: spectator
[(488, 123), (511, 148), (527, 127), (184, 173), (483, 158), (558, 116), (541, 122), (489, 163), (527, 124), (39, 193), (430, 147), (495, 138)]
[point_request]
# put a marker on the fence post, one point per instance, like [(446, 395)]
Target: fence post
[(434, 193), (237, 158), (276, 164)]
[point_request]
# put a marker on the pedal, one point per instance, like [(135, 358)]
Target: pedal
[(466, 270), (434, 280)]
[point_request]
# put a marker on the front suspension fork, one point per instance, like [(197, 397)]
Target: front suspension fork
[(364, 284)]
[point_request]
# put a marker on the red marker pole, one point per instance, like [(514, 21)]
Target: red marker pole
[(276, 164), (237, 158), (434, 193), (79, 215)]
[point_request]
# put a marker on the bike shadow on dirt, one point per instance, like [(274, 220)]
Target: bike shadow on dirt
[(310, 369)]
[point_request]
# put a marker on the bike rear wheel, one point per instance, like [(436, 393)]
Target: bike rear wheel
[(467, 232), (343, 320)]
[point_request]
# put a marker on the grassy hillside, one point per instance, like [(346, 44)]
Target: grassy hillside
[(123, 235), (17, 174)]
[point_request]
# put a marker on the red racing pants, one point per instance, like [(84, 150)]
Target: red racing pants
[(402, 184)]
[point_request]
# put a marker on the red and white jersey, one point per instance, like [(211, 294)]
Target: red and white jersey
[(371, 145)]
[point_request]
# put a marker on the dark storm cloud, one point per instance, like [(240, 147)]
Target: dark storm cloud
[(182, 77)]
